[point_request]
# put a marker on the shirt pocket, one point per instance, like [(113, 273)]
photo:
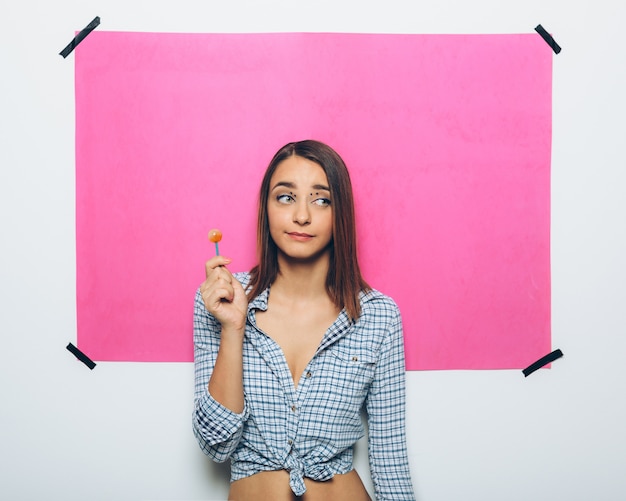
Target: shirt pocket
[(352, 369)]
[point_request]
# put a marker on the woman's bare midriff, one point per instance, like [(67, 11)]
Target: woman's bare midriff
[(274, 486)]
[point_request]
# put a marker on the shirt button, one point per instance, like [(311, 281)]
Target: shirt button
[(290, 442), (293, 408), (355, 359), (308, 374)]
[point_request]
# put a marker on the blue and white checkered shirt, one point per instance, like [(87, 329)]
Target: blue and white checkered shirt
[(310, 430)]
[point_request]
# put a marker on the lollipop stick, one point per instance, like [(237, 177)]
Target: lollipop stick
[(217, 249)]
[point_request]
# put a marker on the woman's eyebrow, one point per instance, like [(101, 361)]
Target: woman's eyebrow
[(286, 184), (290, 185)]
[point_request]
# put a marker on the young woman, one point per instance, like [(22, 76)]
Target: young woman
[(287, 355)]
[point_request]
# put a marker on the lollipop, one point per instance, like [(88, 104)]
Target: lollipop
[(215, 236)]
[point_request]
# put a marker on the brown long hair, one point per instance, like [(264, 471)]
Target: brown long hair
[(344, 280)]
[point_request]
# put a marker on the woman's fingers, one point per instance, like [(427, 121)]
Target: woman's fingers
[(217, 286), (222, 293), (216, 262), (217, 275)]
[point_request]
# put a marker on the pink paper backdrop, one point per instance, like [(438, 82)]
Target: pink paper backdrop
[(447, 138)]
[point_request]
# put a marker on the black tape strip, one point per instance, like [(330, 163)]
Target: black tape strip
[(81, 356), (79, 37), (550, 357), (548, 38)]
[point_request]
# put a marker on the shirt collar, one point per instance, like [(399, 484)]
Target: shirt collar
[(259, 302)]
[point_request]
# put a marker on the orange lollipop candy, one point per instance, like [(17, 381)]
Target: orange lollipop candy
[(215, 236)]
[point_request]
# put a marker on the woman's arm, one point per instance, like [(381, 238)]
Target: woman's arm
[(219, 324), (226, 382), (386, 404)]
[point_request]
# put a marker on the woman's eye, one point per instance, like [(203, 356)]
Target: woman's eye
[(322, 202), (285, 198)]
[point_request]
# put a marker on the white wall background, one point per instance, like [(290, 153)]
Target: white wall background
[(123, 431)]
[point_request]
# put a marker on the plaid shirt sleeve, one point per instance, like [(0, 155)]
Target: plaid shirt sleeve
[(217, 429), (386, 418)]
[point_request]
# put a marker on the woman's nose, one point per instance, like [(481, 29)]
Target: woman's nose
[(301, 214)]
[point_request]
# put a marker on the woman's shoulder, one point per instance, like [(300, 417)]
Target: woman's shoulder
[(243, 277), (374, 302)]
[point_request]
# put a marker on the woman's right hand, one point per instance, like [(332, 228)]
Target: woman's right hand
[(223, 295)]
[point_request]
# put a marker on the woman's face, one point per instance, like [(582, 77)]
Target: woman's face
[(299, 209)]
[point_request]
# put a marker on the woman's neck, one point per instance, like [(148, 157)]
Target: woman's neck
[(302, 280)]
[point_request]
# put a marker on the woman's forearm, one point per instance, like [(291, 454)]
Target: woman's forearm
[(226, 383)]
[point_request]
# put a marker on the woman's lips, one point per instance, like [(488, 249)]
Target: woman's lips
[(302, 237)]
